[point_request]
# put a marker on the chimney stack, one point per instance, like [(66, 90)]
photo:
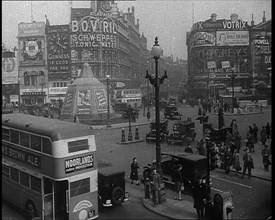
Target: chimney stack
[(264, 19), (234, 17), (252, 22), (213, 17)]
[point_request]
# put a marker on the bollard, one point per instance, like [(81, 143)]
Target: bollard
[(130, 137), (136, 134), (123, 135)]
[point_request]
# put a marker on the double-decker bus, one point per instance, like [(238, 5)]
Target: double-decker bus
[(131, 97), (49, 167)]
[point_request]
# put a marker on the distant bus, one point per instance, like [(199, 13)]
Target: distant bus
[(132, 97), (49, 167)]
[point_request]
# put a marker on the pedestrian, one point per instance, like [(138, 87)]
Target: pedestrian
[(148, 115), (200, 196), (248, 163), (266, 155), (238, 141), (220, 118), (201, 148), (263, 135), (255, 133), (221, 154), (134, 171), (199, 111), (234, 127), (249, 141), (188, 149), (178, 182), (267, 128), (228, 139), (236, 161), (227, 160), (155, 186)]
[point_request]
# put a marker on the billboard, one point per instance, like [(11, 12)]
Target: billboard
[(202, 39), (232, 38), (90, 34), (9, 68), (58, 52), (31, 29), (31, 51)]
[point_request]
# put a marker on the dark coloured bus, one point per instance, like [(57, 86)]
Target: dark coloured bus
[(49, 167)]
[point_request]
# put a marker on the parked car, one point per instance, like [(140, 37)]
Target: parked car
[(183, 131), (193, 167), (151, 136), (216, 135), (111, 185), (171, 112)]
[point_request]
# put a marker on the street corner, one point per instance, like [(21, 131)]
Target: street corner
[(172, 208)]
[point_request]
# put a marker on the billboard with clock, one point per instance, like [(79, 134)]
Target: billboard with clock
[(58, 48)]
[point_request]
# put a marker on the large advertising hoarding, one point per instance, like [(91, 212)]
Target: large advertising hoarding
[(262, 55), (31, 51), (199, 39), (31, 38), (200, 57), (232, 38), (9, 68), (31, 29), (90, 35), (58, 52)]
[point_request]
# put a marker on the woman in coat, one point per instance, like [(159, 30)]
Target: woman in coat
[(134, 171), (236, 161), (200, 196)]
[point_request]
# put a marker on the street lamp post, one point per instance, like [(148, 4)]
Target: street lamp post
[(108, 102), (233, 76), (156, 81), (19, 101)]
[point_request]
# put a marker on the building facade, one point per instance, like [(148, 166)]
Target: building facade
[(217, 51), (32, 68), (228, 54)]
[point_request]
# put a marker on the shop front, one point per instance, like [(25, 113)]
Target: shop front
[(33, 97)]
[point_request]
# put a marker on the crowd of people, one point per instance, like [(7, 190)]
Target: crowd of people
[(227, 152)]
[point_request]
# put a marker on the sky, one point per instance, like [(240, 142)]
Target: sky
[(169, 20)]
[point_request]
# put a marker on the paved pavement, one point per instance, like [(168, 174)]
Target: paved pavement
[(175, 209)]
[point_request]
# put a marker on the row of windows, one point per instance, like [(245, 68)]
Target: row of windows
[(60, 84), (22, 178), (24, 139), (131, 92)]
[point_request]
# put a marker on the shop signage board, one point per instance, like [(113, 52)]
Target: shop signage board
[(31, 29)]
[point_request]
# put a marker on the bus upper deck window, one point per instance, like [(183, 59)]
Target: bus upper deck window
[(25, 139), (47, 146), (14, 174), (36, 143), (24, 179), (14, 136)]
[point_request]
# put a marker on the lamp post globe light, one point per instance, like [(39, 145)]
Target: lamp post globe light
[(156, 82), (108, 102)]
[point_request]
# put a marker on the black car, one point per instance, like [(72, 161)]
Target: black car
[(171, 112), (216, 135), (183, 131), (194, 166), (151, 136), (111, 185)]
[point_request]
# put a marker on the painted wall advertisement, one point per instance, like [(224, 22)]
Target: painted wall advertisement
[(89, 33), (31, 29), (84, 101), (232, 38), (68, 103), (9, 70), (262, 54), (58, 49), (101, 100), (202, 39), (32, 51)]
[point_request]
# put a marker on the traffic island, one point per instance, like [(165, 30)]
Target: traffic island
[(130, 142)]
